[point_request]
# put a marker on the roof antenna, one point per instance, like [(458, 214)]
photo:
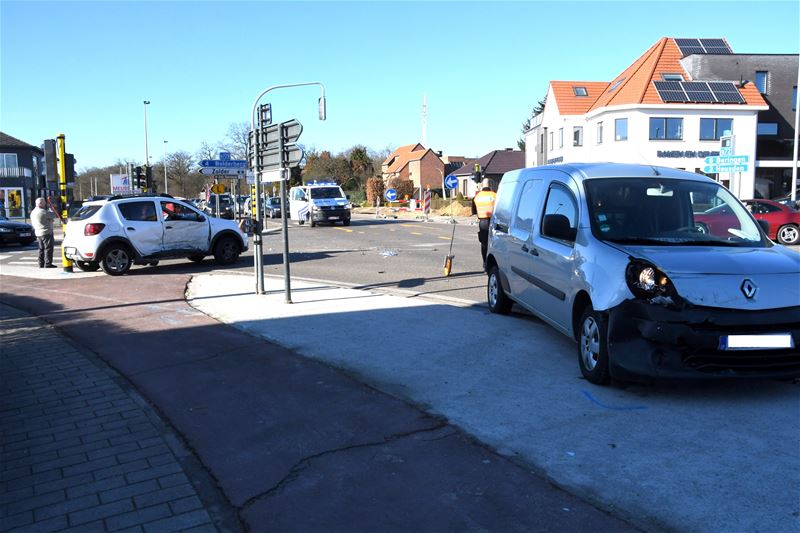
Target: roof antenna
[(644, 159)]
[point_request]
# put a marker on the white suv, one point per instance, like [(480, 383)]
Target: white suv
[(123, 230)]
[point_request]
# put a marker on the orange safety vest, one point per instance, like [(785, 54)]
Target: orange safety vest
[(484, 203)]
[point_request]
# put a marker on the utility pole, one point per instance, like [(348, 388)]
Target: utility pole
[(146, 150), (66, 264), (165, 168)]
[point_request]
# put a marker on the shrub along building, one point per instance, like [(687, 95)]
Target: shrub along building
[(670, 108)]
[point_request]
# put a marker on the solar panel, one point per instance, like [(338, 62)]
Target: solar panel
[(726, 92), (690, 46), (715, 46), (698, 91), (670, 91)]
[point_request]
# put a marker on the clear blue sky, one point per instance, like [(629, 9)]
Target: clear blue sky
[(84, 68)]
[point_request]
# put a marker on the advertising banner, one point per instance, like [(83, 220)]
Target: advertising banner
[(120, 184)]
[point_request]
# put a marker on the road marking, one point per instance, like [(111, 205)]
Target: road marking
[(344, 229), (444, 238), (361, 232), (415, 233)]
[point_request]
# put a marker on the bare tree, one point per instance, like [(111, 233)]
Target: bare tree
[(206, 151), (236, 140)]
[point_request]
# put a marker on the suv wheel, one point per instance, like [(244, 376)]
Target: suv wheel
[(499, 302), (226, 251), (346, 222), (593, 347), (117, 260), (87, 266)]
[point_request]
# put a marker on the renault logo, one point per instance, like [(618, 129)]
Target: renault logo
[(749, 289)]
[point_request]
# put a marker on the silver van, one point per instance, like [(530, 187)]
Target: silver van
[(653, 271)]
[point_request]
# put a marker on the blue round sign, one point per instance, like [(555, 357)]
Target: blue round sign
[(451, 182), (390, 195)]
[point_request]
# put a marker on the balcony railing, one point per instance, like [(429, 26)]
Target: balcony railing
[(15, 172)]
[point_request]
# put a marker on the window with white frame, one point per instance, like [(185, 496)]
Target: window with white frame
[(762, 81), (8, 161), (600, 132), (561, 137), (669, 129), (551, 141), (621, 129), (577, 136), (711, 129)]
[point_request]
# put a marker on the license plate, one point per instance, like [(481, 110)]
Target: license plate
[(775, 341), (68, 251), (333, 218), (26, 234)]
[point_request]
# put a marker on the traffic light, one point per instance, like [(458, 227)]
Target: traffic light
[(477, 175), (149, 179), (138, 178)]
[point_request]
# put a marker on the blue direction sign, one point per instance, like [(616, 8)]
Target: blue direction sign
[(390, 195), (218, 163), (451, 182), (727, 160)]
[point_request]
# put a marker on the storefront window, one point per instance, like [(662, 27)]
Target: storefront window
[(11, 202)]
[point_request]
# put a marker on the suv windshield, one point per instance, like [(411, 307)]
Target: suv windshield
[(668, 212), (326, 192), (274, 202)]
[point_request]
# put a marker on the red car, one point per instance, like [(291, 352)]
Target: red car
[(784, 222)]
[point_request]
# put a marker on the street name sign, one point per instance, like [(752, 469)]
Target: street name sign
[(219, 163), (727, 160), (270, 176), (451, 182), (390, 195), (717, 169), (226, 172)]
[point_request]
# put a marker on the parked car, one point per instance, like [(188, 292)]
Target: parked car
[(116, 233), (15, 232), (272, 207), (784, 222), (223, 209), (611, 255)]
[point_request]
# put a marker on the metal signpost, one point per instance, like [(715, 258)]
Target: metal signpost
[(262, 144), (451, 182)]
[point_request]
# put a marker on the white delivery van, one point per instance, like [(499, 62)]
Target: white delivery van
[(317, 201)]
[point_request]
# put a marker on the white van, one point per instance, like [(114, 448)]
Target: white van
[(316, 202)]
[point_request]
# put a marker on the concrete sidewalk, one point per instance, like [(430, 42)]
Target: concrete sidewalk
[(704, 456), (81, 449)]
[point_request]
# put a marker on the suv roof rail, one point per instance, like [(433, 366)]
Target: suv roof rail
[(140, 195)]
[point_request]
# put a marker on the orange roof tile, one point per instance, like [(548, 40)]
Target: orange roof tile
[(402, 151), (570, 104), (635, 84)]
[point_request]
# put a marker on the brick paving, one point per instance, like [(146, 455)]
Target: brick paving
[(80, 450)]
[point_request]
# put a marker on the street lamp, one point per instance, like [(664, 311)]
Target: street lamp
[(165, 168), (146, 152), (257, 245)]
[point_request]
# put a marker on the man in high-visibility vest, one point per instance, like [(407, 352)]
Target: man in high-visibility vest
[(483, 206)]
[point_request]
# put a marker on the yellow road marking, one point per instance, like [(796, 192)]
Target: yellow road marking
[(415, 233), (444, 238), (344, 229)]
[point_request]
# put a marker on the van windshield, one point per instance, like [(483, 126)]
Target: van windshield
[(326, 192), (669, 212)]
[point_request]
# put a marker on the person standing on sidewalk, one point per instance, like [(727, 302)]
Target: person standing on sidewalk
[(483, 206), (42, 220)]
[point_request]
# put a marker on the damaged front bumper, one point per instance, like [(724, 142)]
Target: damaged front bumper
[(650, 339)]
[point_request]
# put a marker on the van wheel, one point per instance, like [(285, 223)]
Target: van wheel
[(311, 221), (593, 347), (499, 302), (226, 251), (117, 260)]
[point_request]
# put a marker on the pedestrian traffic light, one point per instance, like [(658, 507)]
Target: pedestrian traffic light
[(477, 175), (138, 178)]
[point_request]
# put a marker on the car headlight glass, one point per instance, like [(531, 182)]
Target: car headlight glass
[(6, 230), (647, 281)]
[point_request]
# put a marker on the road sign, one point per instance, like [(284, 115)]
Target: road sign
[(265, 148), (219, 163), (390, 195), (223, 172), (270, 176), (251, 178), (224, 156), (451, 182), (717, 169), (727, 160), (291, 131)]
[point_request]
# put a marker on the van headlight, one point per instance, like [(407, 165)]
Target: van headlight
[(647, 281)]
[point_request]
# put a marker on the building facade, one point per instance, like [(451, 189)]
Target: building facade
[(656, 112), (21, 176)]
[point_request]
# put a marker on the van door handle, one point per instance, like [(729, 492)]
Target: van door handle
[(534, 251), (525, 248), (130, 228)]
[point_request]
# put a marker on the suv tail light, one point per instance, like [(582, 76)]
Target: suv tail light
[(93, 229)]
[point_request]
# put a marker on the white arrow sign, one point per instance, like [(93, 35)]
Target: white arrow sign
[(231, 172)]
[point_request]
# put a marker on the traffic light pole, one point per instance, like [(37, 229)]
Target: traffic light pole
[(258, 249)]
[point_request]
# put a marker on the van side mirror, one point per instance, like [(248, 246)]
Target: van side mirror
[(557, 226), (764, 225)]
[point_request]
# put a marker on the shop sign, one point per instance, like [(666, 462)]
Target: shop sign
[(675, 154)]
